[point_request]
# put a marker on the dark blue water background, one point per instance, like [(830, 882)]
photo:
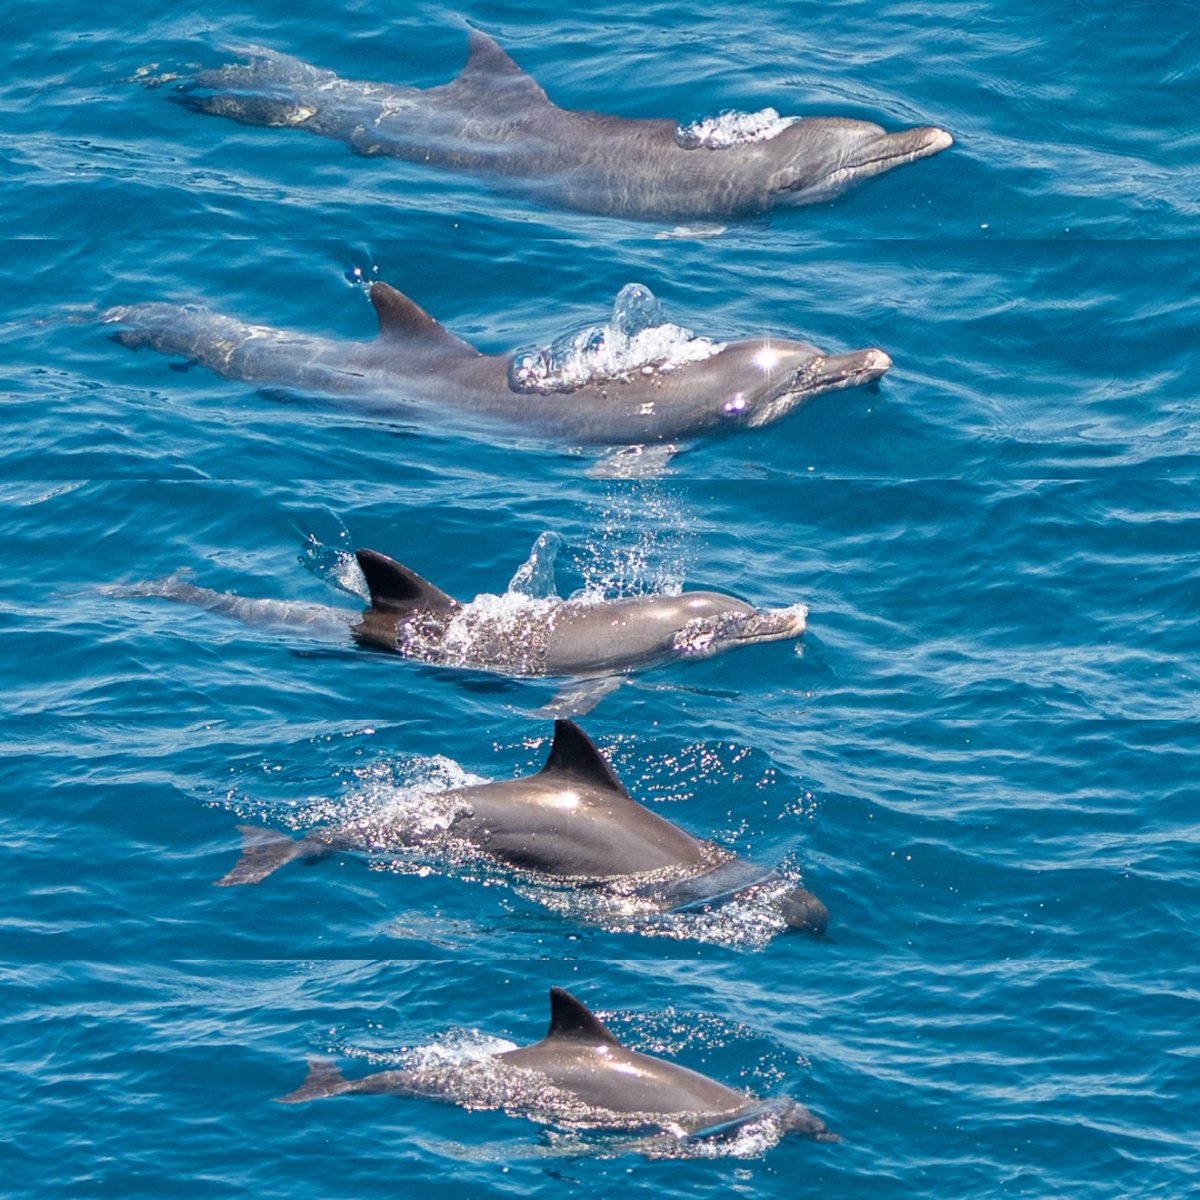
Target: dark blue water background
[(983, 758)]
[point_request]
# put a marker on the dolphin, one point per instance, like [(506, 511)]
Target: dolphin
[(415, 368), (579, 1076), (572, 822), (512, 634), (495, 120)]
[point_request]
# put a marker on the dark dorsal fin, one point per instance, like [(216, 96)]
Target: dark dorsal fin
[(492, 76), (395, 588), (570, 1018), (572, 753), (400, 317)]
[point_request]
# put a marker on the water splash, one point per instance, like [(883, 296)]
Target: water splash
[(535, 576), (733, 129), (642, 541), (456, 1048), (636, 339), (509, 633), (334, 565)]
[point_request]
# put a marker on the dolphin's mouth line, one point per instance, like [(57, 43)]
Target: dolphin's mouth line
[(872, 368), (883, 160), (936, 141), (816, 377), (771, 626)]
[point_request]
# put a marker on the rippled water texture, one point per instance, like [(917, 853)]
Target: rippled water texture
[(981, 757)]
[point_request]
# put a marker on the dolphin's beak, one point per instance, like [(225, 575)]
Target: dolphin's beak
[(936, 140), (866, 157), (893, 149), (822, 373), (853, 369), (773, 624)]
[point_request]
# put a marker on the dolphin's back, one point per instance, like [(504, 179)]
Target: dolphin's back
[(580, 1056), (572, 833), (573, 819)]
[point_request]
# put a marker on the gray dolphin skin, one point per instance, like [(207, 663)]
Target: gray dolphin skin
[(509, 635), (494, 119), (417, 369), (573, 637), (573, 821), (581, 1077)]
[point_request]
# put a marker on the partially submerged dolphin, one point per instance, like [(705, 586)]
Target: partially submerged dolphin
[(572, 822), (415, 368), (512, 634), (494, 119), (579, 1076)]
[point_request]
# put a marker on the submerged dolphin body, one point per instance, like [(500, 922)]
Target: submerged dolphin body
[(581, 1077), (572, 822), (415, 368), (494, 119), (510, 635)]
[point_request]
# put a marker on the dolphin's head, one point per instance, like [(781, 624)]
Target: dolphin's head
[(817, 158), (716, 622), (802, 910), (795, 1118), (766, 378)]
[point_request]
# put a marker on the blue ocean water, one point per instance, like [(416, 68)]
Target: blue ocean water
[(982, 757)]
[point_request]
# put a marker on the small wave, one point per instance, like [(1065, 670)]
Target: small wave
[(628, 904), (637, 338), (733, 129)]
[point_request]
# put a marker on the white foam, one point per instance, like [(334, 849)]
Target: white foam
[(456, 1049), (513, 629), (636, 339), (733, 129)]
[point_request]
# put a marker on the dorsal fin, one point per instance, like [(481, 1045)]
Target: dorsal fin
[(490, 73), (400, 317), (395, 588), (570, 1018), (572, 753)]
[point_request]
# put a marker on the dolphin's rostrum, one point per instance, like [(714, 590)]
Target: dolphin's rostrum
[(572, 823), (494, 119), (418, 370), (579, 1076)]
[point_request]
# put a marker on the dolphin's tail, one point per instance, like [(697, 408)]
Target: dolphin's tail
[(264, 851), (324, 1079), (319, 619)]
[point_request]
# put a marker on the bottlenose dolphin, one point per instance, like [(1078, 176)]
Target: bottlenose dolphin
[(494, 119), (579, 1076), (415, 368), (512, 635), (571, 822)]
